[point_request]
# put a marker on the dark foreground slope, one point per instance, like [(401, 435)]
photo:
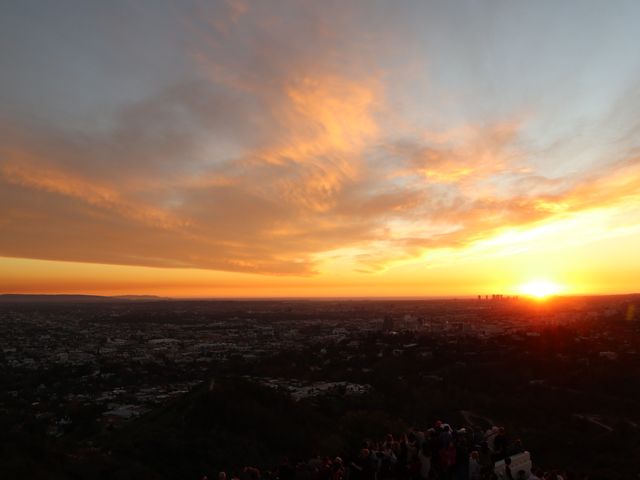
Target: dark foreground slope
[(220, 425)]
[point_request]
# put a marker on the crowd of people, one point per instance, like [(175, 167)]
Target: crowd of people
[(437, 453)]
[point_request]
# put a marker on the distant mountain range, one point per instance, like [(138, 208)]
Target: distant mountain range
[(27, 298)]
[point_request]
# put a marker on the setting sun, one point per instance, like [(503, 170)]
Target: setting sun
[(540, 288)]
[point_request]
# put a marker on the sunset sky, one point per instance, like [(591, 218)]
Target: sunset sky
[(319, 148)]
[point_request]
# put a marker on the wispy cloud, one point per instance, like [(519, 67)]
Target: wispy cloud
[(284, 145)]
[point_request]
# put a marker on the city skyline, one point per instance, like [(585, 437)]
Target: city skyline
[(319, 149)]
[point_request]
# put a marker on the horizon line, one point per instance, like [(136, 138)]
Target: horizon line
[(483, 296)]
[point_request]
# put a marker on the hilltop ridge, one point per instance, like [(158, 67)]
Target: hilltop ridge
[(73, 298)]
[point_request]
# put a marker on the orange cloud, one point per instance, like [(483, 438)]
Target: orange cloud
[(18, 171), (277, 158)]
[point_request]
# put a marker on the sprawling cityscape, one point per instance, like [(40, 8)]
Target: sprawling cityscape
[(76, 374)]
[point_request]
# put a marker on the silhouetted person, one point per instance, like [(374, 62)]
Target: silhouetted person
[(424, 457), (448, 459), (475, 469), (500, 443), (461, 466)]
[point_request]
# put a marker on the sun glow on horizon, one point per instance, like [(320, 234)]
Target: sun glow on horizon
[(541, 288)]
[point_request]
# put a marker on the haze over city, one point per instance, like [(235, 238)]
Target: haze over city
[(319, 149)]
